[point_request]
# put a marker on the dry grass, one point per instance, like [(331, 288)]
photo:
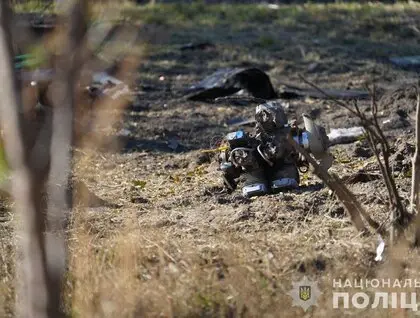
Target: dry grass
[(140, 262), (142, 272)]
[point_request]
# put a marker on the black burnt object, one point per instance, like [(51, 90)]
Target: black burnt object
[(225, 82), (197, 46), (228, 81)]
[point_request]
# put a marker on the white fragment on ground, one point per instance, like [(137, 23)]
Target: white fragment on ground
[(345, 135), (117, 90), (380, 249), (103, 78), (272, 6), (124, 132), (173, 144)]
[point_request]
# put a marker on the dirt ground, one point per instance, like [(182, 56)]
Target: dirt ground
[(169, 242)]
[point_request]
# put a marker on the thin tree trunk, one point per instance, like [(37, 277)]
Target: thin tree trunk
[(415, 181), (32, 292), (41, 269), (62, 92)]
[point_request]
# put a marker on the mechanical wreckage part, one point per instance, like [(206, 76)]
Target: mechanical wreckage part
[(266, 159), (272, 129), (231, 171), (267, 153), (269, 117), (285, 177), (260, 178), (255, 183), (318, 142), (240, 158), (284, 183)]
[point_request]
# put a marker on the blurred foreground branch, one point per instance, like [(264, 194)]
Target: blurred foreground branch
[(43, 119), (37, 152), (33, 293), (70, 37)]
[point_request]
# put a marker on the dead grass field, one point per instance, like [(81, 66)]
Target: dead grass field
[(172, 245)]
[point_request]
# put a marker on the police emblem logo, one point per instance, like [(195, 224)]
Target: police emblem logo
[(305, 292)]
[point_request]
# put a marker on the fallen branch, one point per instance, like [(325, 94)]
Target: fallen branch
[(354, 208), (400, 217)]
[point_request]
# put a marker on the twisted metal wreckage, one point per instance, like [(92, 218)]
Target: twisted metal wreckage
[(267, 158)]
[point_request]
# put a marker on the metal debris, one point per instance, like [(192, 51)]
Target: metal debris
[(345, 135), (406, 62), (229, 81), (197, 46), (380, 250)]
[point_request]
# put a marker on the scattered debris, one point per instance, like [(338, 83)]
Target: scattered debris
[(140, 184), (362, 150), (313, 67), (395, 122), (173, 144), (197, 46), (267, 151), (105, 84), (245, 122), (124, 132), (380, 250), (226, 82), (361, 176), (244, 214), (406, 62), (257, 83), (345, 135), (272, 6)]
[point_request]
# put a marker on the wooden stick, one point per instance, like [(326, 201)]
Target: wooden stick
[(346, 197)]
